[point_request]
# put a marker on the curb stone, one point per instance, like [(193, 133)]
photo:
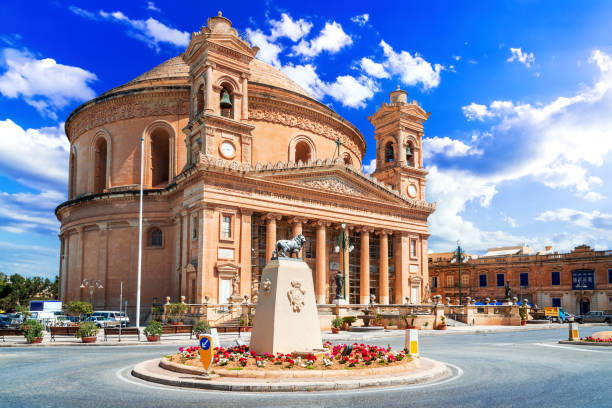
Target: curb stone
[(152, 372), (585, 343)]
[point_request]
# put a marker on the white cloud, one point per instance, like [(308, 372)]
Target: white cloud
[(412, 70), (83, 13), (361, 19), (150, 31), (268, 51), (351, 91), (306, 76), (447, 147), (373, 68), (593, 219), (549, 142), (526, 58), (370, 167), (43, 83), (290, 28), (511, 221), (331, 39), (346, 89), (35, 157), (475, 111), (457, 57), (151, 6)]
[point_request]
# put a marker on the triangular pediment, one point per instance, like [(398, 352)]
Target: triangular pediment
[(337, 180)]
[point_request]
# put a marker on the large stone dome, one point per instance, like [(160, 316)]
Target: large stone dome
[(176, 71)]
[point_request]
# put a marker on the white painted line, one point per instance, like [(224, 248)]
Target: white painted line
[(574, 348), (408, 387)]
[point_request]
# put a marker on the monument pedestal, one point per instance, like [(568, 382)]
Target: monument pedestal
[(286, 318), (340, 301)]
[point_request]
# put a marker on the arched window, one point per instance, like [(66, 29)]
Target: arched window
[(410, 154), (156, 237), (226, 103), (347, 159), (389, 156), (73, 175), (200, 100), (160, 157), (302, 152), (100, 157)]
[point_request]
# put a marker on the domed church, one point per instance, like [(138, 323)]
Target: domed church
[(237, 156)]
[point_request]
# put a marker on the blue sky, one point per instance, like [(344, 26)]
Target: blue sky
[(518, 144)]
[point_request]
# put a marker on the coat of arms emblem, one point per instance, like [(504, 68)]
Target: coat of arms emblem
[(266, 286), (296, 296)]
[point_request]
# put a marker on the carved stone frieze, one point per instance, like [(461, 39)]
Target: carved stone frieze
[(332, 184), (300, 120), (127, 107)]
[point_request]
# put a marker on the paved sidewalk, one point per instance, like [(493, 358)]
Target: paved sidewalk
[(230, 338)]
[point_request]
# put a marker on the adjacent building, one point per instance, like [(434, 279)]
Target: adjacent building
[(235, 156), (578, 281)]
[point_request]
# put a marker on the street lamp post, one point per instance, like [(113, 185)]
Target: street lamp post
[(581, 285), (91, 284), (459, 254), (343, 242)]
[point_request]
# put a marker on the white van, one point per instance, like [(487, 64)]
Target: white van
[(113, 316)]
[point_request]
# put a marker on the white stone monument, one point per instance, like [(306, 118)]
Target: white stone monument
[(286, 318)]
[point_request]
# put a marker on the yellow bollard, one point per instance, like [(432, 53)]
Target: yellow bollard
[(412, 342), (573, 333), (206, 351)]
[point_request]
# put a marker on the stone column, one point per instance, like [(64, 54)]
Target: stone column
[(384, 268), (364, 275), (245, 252), (245, 97), (84, 292), (402, 265), (321, 263), (209, 88), (270, 234), (297, 229), (103, 264), (185, 239)]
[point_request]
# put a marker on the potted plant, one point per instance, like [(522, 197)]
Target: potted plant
[(87, 332), (347, 321), (378, 320), (176, 312), (523, 314), (32, 331), (200, 327), (336, 323), (411, 317), (442, 325), (153, 330), (425, 325), (391, 326)]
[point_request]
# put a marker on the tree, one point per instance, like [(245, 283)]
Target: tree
[(78, 308), (17, 290)]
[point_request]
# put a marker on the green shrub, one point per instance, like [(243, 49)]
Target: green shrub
[(154, 328), (426, 324), (32, 330), (176, 310), (86, 329), (200, 327), (523, 312), (336, 323), (349, 320)]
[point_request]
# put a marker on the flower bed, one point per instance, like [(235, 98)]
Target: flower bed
[(239, 358), (596, 340)]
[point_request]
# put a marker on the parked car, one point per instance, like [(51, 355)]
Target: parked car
[(5, 321), (595, 316), (113, 316), (101, 321)]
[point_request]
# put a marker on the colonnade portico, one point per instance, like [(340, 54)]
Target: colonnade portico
[(324, 264)]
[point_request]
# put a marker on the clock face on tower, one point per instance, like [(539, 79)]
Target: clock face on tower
[(227, 150), (412, 190)]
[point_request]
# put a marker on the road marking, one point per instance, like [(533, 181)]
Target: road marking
[(120, 376), (570, 348)]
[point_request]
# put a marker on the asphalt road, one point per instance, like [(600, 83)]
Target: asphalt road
[(518, 369)]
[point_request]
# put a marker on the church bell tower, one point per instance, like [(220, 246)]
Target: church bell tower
[(219, 60), (398, 130)]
